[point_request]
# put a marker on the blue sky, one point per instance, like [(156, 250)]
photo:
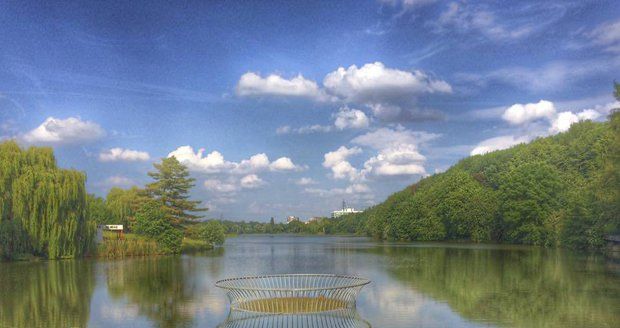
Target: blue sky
[(288, 107)]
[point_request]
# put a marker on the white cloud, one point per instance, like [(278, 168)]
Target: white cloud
[(563, 121), (397, 151), (284, 164), (214, 162), (252, 84), (316, 128), (256, 163), (607, 35), (286, 129), (220, 186), (497, 143), (519, 114), (407, 4), (550, 77), (389, 138), (251, 181), (64, 131), (118, 181), (397, 154), (353, 189), (120, 154), (374, 83), (348, 118), (463, 18), (337, 162), (305, 181), (400, 160), (345, 118)]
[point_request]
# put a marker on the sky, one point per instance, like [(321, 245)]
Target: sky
[(290, 107)]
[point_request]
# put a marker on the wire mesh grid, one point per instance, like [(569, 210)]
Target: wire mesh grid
[(293, 293)]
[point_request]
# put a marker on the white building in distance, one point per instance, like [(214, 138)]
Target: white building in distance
[(344, 211), (291, 219)]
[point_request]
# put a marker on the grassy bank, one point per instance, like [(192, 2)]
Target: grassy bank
[(136, 245)]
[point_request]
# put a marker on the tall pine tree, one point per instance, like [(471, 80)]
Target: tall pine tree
[(171, 186)]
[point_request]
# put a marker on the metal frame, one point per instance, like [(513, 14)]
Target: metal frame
[(292, 293)]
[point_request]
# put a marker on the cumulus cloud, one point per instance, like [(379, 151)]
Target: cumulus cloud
[(345, 118), (251, 181), (373, 83), (337, 162), (71, 130), (497, 143), (396, 154), (120, 154), (225, 188), (348, 118), (519, 114), (401, 160), (214, 162), (544, 111), (563, 121), (283, 164), (252, 84), (390, 93)]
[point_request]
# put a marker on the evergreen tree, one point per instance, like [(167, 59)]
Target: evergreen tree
[(171, 187)]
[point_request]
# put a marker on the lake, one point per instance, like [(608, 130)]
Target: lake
[(413, 285)]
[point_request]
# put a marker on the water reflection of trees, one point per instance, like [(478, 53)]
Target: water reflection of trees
[(47, 294), (163, 289), (526, 288), (344, 318)]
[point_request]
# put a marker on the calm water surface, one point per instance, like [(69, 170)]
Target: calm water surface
[(413, 285)]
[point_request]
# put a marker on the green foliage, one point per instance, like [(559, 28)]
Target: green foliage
[(151, 221), (213, 233), (47, 203), (529, 194), (13, 240), (562, 190), (98, 210), (122, 205), (171, 188)]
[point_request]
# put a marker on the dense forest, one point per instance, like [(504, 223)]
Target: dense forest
[(561, 190)]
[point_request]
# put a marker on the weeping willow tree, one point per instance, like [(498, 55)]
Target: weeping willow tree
[(45, 206)]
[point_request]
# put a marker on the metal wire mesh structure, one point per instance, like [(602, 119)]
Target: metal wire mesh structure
[(343, 318), (292, 293)]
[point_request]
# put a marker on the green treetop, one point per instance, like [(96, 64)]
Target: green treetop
[(171, 186)]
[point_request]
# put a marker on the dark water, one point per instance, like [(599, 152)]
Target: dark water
[(413, 285)]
